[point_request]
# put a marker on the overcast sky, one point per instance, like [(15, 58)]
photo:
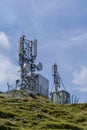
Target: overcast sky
[(60, 27)]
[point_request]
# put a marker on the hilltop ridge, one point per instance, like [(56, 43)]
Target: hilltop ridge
[(26, 113)]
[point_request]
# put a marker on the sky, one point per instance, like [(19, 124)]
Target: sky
[(60, 27)]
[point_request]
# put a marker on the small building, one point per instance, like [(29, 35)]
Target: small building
[(61, 97), (38, 84)]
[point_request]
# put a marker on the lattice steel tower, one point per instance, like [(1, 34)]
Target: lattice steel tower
[(27, 54), (56, 77)]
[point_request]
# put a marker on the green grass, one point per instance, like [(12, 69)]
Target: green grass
[(35, 114)]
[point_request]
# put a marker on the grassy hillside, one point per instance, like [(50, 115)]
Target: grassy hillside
[(28, 114)]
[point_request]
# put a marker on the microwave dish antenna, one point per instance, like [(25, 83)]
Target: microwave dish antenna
[(39, 66)]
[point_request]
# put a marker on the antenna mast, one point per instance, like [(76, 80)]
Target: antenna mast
[(56, 77), (27, 54)]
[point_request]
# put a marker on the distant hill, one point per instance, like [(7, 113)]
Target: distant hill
[(28, 113)]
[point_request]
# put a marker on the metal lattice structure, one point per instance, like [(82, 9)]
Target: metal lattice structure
[(56, 77), (27, 54), (60, 97), (30, 81), (57, 81), (28, 78)]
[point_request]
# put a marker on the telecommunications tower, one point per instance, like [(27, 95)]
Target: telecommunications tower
[(59, 96), (57, 81), (27, 53), (56, 77)]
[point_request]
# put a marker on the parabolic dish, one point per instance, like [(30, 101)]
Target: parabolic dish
[(39, 66)]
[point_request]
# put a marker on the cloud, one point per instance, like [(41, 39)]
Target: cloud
[(4, 40), (60, 28), (79, 40), (8, 71), (75, 40), (80, 78)]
